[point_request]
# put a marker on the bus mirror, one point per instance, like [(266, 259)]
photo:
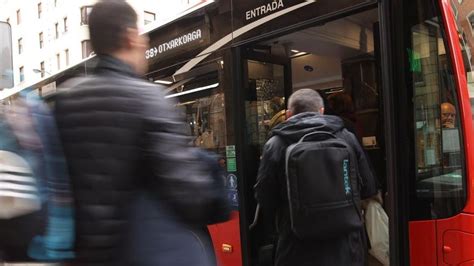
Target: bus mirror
[(6, 60)]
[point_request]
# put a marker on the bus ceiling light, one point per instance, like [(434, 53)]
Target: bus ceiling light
[(299, 54), (165, 82), (295, 51), (212, 86)]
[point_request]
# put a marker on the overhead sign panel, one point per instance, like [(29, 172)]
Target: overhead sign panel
[(178, 39)]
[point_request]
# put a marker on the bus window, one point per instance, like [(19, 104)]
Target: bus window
[(439, 186)]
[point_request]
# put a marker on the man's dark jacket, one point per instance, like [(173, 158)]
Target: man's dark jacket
[(271, 194), (135, 181)]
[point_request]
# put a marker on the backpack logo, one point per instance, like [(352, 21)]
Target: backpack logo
[(345, 169)]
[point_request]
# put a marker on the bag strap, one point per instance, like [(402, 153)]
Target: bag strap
[(321, 133)]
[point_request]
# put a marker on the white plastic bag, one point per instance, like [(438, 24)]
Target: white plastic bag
[(376, 221)]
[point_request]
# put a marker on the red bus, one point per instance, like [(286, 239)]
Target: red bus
[(407, 66)]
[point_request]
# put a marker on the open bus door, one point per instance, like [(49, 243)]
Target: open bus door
[(265, 80)]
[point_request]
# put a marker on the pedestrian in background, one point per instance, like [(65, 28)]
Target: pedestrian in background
[(136, 182)]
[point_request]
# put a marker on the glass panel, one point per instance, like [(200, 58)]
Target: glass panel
[(439, 187), (265, 103), (206, 119), (201, 98), (465, 24)]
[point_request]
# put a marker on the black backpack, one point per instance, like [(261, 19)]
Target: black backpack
[(323, 187)]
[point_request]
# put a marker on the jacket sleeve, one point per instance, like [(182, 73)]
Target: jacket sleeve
[(369, 183), (267, 187), (179, 180)]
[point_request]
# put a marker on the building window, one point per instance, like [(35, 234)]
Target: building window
[(41, 40), (66, 55), (42, 69), (56, 30), (22, 74), (65, 24), (40, 9), (20, 45), (85, 11), (86, 48), (18, 17), (149, 17), (58, 61)]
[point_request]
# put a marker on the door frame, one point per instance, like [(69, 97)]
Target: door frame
[(389, 17), (240, 55)]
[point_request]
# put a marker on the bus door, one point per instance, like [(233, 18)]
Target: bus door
[(264, 83), (433, 116)]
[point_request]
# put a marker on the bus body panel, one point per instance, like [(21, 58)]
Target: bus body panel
[(226, 240), (450, 241), (422, 243), (456, 238)]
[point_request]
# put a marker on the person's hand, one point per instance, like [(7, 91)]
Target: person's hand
[(377, 197)]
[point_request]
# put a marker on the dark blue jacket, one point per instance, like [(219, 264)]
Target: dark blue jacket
[(131, 168), (271, 194)]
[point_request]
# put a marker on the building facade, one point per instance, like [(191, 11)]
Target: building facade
[(464, 13), (49, 36)]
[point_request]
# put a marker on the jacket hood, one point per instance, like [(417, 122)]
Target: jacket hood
[(301, 124)]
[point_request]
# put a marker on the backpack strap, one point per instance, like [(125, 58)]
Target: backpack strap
[(320, 133)]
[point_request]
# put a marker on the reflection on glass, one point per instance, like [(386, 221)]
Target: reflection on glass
[(265, 106), (206, 119), (202, 99), (439, 175)]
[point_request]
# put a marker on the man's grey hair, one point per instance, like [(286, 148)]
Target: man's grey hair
[(305, 100)]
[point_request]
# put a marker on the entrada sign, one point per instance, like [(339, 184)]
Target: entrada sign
[(264, 9)]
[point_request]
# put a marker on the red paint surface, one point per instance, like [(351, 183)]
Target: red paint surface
[(422, 243), (227, 233), (456, 239), (457, 247)]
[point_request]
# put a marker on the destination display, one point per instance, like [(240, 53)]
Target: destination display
[(175, 41)]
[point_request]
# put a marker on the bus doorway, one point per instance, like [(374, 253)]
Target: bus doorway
[(340, 60)]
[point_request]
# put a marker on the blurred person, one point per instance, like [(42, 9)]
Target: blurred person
[(138, 187), (342, 105), (36, 221), (448, 115), (305, 115)]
